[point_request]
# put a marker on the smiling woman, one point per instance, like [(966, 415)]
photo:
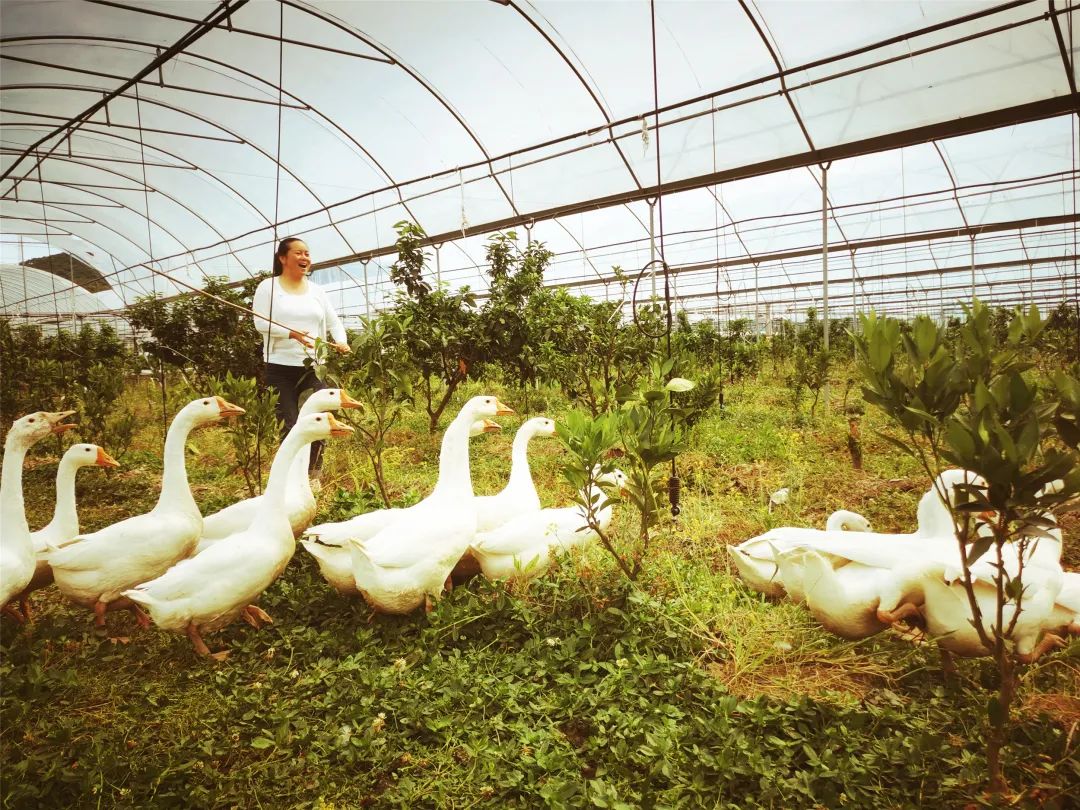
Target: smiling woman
[(289, 297)]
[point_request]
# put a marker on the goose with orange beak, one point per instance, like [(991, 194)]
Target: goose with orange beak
[(408, 564), (221, 584), (94, 569), (299, 499), (17, 564), (65, 522)]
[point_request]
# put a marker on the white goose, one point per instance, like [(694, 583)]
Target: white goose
[(949, 619), (328, 543), (846, 600), (524, 546), (210, 590), (17, 562), (518, 497), (408, 563), (299, 499), (934, 532), (96, 569), (65, 522), (755, 558)]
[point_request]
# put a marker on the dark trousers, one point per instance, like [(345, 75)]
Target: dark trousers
[(290, 382)]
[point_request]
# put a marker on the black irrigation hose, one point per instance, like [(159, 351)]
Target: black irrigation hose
[(673, 480)]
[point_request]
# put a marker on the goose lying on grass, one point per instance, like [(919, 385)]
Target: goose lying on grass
[(210, 590), (524, 546), (95, 569), (328, 543), (17, 560), (846, 600), (299, 499), (756, 562), (950, 621), (408, 563)]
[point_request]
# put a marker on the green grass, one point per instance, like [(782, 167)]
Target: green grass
[(572, 691)]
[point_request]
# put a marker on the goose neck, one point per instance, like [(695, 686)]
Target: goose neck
[(603, 516), (12, 511), (934, 517), (281, 470), (455, 479), (520, 473), (65, 496), (298, 472), (175, 490)]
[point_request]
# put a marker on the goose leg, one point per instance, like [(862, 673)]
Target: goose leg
[(902, 612), (140, 616), (256, 616), (123, 603), (1048, 642), (100, 629), (429, 603), (200, 645), (949, 669), (24, 604), (12, 613)]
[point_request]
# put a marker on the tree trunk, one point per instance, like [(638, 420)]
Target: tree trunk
[(377, 468), (999, 725), (434, 415)]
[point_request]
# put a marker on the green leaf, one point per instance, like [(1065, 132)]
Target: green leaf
[(679, 385), (261, 742), (978, 548), (960, 440), (904, 448)]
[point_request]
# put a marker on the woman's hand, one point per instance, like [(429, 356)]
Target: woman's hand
[(343, 348), (303, 338)]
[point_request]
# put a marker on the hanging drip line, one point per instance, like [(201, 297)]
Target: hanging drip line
[(150, 250), (653, 263), (367, 293), (52, 280), (277, 213), (461, 191), (673, 484), (438, 264)]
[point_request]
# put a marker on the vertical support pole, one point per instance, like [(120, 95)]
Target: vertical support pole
[(973, 268), (854, 303), (438, 266), (652, 245), (755, 298), (367, 290), (825, 267), (941, 298)]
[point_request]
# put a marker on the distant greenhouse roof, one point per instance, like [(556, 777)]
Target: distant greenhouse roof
[(183, 137)]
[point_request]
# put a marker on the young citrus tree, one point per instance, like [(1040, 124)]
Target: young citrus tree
[(983, 407), (647, 432)]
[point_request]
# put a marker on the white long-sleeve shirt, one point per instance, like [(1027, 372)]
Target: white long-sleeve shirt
[(309, 312)]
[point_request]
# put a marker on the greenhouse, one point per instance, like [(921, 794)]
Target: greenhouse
[(639, 403)]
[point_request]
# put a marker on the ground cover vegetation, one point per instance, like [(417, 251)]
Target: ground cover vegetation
[(638, 673)]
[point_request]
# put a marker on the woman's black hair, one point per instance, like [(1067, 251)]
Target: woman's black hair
[(283, 249)]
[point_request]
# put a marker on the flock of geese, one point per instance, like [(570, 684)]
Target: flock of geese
[(194, 575), (857, 583)]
